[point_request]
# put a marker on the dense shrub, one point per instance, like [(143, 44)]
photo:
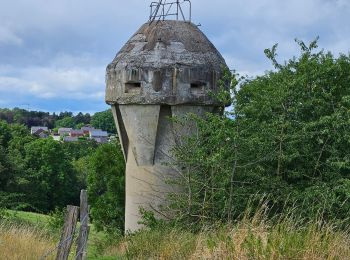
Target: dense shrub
[(39, 174), (106, 188), (286, 138)]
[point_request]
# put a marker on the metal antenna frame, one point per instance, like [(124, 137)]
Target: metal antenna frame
[(161, 10)]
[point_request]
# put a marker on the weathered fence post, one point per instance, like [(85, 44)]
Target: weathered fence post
[(84, 226), (67, 236)]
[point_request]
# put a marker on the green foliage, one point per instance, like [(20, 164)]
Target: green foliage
[(286, 138), (5, 202), (28, 118), (39, 174), (104, 120), (106, 188), (42, 174), (49, 175), (149, 220), (65, 122), (55, 221), (40, 118), (82, 119), (81, 167), (76, 150)]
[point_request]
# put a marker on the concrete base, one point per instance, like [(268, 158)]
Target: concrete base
[(145, 188), (147, 136)]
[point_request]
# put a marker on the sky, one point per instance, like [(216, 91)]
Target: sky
[(53, 54)]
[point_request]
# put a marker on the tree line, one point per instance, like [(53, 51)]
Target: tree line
[(102, 120)]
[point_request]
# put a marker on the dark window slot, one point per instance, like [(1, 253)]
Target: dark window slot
[(133, 87), (198, 87), (157, 80)]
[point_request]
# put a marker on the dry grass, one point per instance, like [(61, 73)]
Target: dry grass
[(283, 241), (162, 243), (23, 242), (252, 238)]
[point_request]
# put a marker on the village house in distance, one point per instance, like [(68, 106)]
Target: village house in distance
[(71, 135)]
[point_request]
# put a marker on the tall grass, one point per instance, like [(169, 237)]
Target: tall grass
[(254, 237), (23, 242), (260, 238)]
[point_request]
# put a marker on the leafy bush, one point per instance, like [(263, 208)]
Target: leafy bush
[(104, 120), (106, 188), (32, 169), (56, 220), (10, 201), (286, 138)]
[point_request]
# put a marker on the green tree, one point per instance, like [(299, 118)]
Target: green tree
[(65, 122), (4, 169), (11, 136), (104, 120), (40, 174), (82, 119), (285, 139), (106, 188), (50, 177), (5, 135)]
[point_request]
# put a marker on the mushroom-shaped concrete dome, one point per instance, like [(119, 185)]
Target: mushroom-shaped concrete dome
[(165, 62)]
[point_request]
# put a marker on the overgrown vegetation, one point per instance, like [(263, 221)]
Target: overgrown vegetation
[(38, 174), (106, 188), (285, 141), (41, 175), (286, 138), (255, 236)]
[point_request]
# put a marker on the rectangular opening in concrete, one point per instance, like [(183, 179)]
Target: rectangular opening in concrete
[(158, 78), (198, 87), (133, 87)]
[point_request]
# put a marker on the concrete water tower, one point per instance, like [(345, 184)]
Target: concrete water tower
[(166, 69)]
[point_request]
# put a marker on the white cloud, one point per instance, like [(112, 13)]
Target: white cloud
[(81, 81), (79, 15), (241, 30), (59, 49), (8, 37)]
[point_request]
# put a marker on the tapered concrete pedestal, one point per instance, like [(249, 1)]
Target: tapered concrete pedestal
[(167, 69)]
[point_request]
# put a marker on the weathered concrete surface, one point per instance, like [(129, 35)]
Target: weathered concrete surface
[(166, 69), (165, 62), (150, 136)]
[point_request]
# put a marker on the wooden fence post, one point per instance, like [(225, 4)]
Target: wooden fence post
[(67, 233), (84, 227)]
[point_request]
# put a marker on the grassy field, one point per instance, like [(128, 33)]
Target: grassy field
[(35, 219), (26, 236), (251, 239), (23, 236), (23, 242)]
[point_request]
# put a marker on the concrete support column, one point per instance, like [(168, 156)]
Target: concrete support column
[(148, 135)]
